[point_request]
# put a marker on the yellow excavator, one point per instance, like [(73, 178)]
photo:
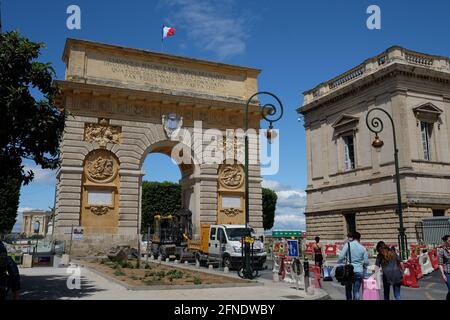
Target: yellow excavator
[(171, 233)]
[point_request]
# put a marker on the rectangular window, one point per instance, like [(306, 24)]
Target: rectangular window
[(425, 131), (438, 213), (221, 236), (212, 235), (349, 152), (350, 219)]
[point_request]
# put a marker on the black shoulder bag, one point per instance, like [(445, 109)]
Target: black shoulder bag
[(345, 274)]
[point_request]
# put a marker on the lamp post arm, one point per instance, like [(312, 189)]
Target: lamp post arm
[(376, 126), (270, 113)]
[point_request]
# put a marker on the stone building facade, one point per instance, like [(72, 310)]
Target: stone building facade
[(351, 185), (126, 103)]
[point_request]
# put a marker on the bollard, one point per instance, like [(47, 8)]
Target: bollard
[(210, 267), (27, 261), (151, 257), (65, 259), (197, 264), (177, 261), (167, 259), (226, 270), (185, 262)]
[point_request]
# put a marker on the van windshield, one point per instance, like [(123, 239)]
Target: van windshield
[(235, 234)]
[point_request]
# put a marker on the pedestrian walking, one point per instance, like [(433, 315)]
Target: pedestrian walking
[(389, 262), (357, 255), (444, 262), (318, 253), (9, 275)]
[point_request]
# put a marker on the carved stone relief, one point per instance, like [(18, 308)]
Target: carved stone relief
[(231, 212), (231, 176), (99, 210), (102, 133), (101, 166)]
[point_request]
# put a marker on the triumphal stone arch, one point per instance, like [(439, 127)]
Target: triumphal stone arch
[(125, 103)]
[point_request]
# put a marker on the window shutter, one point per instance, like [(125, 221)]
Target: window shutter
[(346, 155), (425, 134)]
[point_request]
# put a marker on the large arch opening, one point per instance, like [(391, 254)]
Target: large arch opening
[(166, 186)]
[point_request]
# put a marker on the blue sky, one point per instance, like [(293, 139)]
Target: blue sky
[(297, 44)]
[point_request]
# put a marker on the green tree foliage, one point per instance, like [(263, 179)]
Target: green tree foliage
[(31, 125), (9, 200), (165, 197), (159, 198), (269, 203)]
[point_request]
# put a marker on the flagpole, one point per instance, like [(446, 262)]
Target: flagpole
[(162, 39), (1, 29)]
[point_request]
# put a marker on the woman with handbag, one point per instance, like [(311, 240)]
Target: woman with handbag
[(356, 260), (389, 262)]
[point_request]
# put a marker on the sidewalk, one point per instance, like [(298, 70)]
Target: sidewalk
[(50, 283)]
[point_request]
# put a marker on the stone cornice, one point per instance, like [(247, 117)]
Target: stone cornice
[(393, 62), (141, 52), (404, 172), (161, 95)]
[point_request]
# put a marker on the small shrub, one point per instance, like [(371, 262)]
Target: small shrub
[(134, 277), (197, 280), (147, 266), (149, 273), (156, 278), (161, 274), (175, 274), (127, 264), (119, 272)]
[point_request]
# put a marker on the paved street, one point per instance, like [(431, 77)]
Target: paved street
[(431, 287)]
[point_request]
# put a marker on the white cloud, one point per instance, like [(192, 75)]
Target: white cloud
[(44, 176), (22, 209), (289, 214), (290, 222), (212, 25)]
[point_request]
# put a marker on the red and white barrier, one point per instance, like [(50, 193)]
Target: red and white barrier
[(409, 275), (425, 264)]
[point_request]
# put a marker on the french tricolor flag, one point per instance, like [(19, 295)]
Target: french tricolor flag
[(167, 32)]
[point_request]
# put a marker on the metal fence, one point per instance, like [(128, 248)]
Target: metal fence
[(431, 230)]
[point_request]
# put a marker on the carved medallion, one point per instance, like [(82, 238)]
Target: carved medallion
[(99, 210), (101, 166), (231, 176), (102, 133), (231, 212), (172, 124)]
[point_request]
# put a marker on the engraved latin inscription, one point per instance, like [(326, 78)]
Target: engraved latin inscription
[(165, 75)]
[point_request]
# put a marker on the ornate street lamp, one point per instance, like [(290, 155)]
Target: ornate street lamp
[(271, 114), (376, 126)]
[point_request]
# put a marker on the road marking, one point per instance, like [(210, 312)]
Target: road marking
[(428, 295)]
